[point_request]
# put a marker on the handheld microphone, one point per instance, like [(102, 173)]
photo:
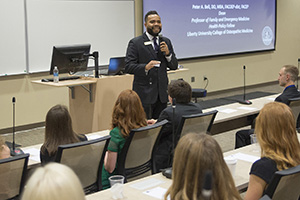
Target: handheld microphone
[(244, 101), (14, 151), (207, 185), (160, 36)]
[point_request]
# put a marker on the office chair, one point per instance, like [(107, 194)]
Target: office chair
[(137, 155), (196, 123), (285, 185), (12, 176), (86, 160), (294, 104)]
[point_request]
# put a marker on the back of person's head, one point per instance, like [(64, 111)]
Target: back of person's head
[(194, 155), (151, 12), (4, 150), (180, 90), (276, 132), (128, 112), (54, 181), (292, 71), (58, 129)]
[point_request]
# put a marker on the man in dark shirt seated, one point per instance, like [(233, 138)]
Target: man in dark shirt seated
[(182, 92), (288, 75)]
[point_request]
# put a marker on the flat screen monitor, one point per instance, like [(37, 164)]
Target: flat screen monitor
[(70, 59), (202, 28), (116, 66)]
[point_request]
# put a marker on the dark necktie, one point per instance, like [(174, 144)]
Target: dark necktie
[(156, 47)]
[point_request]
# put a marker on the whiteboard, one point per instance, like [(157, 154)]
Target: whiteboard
[(106, 25), (12, 37), (30, 29)]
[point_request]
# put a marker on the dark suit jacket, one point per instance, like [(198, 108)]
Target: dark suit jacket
[(149, 86), (288, 93), (164, 148)]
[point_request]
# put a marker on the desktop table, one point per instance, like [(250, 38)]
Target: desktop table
[(157, 184), (226, 116), (235, 115)]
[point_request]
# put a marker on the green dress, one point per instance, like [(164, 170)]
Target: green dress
[(116, 144)]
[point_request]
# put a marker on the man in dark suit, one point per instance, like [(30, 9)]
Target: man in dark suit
[(288, 75), (148, 57), (182, 92)]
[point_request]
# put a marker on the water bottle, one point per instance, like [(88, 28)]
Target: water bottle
[(55, 75)]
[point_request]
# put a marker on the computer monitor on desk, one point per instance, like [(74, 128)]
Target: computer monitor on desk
[(70, 59)]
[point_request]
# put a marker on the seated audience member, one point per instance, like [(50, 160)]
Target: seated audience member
[(53, 181), (196, 154), (288, 75), (58, 131), (182, 92), (280, 148), (128, 113), (4, 150)]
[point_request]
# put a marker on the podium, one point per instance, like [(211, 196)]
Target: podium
[(93, 113), (91, 100)]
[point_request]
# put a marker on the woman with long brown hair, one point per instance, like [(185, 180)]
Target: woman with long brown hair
[(58, 131), (280, 149), (194, 155), (128, 113)]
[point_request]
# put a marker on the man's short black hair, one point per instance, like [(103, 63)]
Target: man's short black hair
[(151, 12), (180, 90)]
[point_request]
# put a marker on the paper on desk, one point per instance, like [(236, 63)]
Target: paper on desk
[(245, 157), (143, 185), (157, 192), (246, 108), (92, 137), (227, 110), (34, 154)]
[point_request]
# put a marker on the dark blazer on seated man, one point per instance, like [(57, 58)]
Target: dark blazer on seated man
[(182, 92), (288, 75)]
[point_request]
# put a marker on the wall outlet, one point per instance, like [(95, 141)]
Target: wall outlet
[(204, 78), (192, 79)]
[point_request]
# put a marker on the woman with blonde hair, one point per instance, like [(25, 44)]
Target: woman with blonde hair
[(195, 154), (128, 113), (280, 149), (53, 182), (58, 131)]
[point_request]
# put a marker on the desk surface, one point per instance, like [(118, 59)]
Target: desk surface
[(158, 184), (90, 80), (226, 112), (236, 110), (68, 83)]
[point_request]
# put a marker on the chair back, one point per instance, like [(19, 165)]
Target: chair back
[(86, 160), (196, 123), (295, 106), (12, 175), (136, 157), (285, 184)]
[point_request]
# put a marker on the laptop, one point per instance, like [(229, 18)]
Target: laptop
[(116, 66)]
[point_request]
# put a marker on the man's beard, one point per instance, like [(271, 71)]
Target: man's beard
[(150, 31)]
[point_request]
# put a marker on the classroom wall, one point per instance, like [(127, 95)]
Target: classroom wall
[(224, 72)]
